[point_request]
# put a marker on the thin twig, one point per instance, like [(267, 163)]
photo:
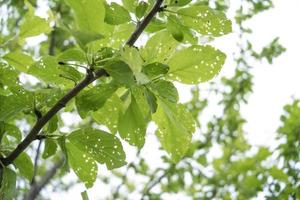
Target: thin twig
[(90, 77), (38, 186), (36, 161), (152, 183)]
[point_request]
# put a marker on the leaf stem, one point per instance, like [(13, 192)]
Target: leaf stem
[(90, 77)]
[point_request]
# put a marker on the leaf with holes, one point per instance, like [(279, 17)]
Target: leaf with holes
[(48, 70), (87, 147), (93, 99), (121, 72), (159, 48), (195, 64), (12, 105), (19, 60), (154, 70), (132, 124), (165, 89), (132, 57), (175, 128), (116, 14), (108, 115), (205, 20)]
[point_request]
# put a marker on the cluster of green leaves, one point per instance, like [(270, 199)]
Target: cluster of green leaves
[(138, 86), (242, 171)]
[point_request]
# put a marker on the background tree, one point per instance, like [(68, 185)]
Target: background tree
[(86, 64)]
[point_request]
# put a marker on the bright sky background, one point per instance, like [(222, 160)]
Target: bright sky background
[(274, 85)]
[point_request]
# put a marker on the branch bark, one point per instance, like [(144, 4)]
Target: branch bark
[(45, 118), (90, 77), (141, 27), (36, 187), (36, 162)]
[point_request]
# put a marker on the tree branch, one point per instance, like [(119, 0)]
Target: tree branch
[(141, 27), (38, 186), (36, 161), (45, 118), (90, 77), (152, 183)]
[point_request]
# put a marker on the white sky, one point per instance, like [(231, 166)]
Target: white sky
[(273, 85)]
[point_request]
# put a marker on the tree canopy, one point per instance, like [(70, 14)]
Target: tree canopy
[(115, 66)]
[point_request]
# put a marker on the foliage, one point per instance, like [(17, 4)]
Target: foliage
[(86, 64)]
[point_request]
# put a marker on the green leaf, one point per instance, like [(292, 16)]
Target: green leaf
[(120, 71), (252, 182), (141, 9), (155, 25), (8, 76), (103, 54), (89, 14), (19, 60), (179, 2), (205, 20), (49, 149), (8, 180), (154, 70), (73, 54), (151, 99), (83, 164), (175, 128), (117, 37), (52, 124), (86, 147), (159, 48), (70, 73), (108, 115), (263, 153), (24, 163), (84, 37), (131, 56), (48, 70), (11, 130), (84, 195), (93, 99), (165, 90), (139, 93), (33, 25), (12, 105), (116, 14), (195, 64), (130, 4), (61, 141), (180, 32), (174, 28), (132, 125), (278, 174)]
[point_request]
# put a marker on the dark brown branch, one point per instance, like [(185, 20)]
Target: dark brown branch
[(38, 186), (141, 26), (90, 77), (44, 119)]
